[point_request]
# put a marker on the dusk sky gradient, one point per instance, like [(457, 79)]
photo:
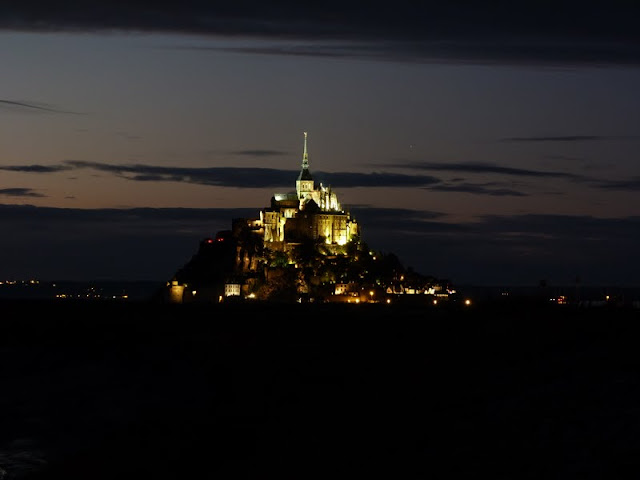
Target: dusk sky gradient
[(489, 144)]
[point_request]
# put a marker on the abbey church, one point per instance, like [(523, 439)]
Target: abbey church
[(304, 245), (309, 212)]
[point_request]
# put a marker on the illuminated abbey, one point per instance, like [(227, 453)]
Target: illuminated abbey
[(304, 245), (309, 212)]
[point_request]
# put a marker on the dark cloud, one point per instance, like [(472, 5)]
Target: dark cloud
[(35, 168), (215, 176), (254, 177), (487, 168), (152, 244), (557, 227), (392, 217), (559, 32), (467, 51), (513, 249), (632, 184), (33, 107), (374, 179), (19, 192), (151, 219), (567, 138), (250, 177), (518, 249), (89, 244), (478, 190)]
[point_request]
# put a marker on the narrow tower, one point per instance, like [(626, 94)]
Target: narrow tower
[(305, 156), (304, 183)]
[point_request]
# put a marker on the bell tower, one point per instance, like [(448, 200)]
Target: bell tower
[(304, 183)]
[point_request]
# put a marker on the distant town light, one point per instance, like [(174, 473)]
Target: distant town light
[(467, 302)]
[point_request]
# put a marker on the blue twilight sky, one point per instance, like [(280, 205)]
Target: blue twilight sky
[(485, 144)]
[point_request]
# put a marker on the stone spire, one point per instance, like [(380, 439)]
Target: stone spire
[(305, 156), (304, 172), (304, 183)]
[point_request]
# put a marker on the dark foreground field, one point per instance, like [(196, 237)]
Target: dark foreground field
[(113, 390)]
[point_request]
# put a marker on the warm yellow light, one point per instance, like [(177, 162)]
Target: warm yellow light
[(371, 292), (435, 302), (388, 300), (193, 292), (467, 302)]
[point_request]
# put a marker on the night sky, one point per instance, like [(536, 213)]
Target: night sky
[(482, 144)]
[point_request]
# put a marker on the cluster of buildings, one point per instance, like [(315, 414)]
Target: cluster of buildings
[(305, 247)]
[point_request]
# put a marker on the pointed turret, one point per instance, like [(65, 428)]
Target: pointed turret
[(304, 183), (305, 155)]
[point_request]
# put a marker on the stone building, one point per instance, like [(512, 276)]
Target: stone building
[(310, 212)]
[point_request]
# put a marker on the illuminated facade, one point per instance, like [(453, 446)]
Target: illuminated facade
[(308, 213), (176, 291), (304, 246)]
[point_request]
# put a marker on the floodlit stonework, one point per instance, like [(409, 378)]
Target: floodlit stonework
[(308, 213), (304, 247)]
